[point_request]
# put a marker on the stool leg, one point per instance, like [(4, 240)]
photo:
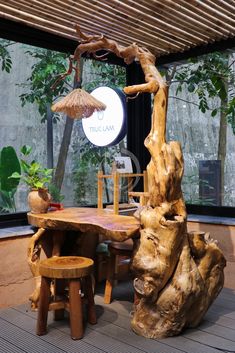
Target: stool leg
[(115, 274), (43, 306), (75, 309), (110, 279), (60, 285), (90, 298)]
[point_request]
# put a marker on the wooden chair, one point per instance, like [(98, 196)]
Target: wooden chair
[(118, 251), (116, 188), (74, 271)]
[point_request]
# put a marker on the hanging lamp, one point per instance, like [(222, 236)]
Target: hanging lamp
[(78, 104)]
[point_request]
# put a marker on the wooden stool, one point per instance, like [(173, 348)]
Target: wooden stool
[(73, 269), (116, 249)]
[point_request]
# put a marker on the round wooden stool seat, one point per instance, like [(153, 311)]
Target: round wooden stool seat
[(66, 267), (125, 246), (76, 273)]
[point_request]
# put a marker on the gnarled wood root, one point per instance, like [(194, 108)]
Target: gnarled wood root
[(50, 241), (183, 300), (33, 257)]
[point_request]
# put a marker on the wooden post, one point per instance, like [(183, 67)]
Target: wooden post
[(43, 306), (145, 177), (58, 241), (129, 185), (100, 189), (110, 279), (75, 308), (91, 314), (115, 192)]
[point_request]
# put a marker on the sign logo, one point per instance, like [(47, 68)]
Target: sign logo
[(107, 128)]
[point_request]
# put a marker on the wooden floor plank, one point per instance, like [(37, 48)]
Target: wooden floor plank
[(225, 295), (188, 345), (222, 311), (227, 303), (7, 347), (17, 336), (113, 332), (208, 339), (110, 343), (218, 330), (94, 336), (213, 317), (127, 336), (56, 336), (228, 291), (91, 337)]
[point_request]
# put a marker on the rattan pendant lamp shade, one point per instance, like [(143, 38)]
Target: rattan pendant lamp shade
[(78, 104)]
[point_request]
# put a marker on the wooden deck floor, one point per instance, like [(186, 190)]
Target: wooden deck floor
[(113, 334)]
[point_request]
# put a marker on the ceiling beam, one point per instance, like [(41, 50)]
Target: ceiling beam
[(221, 45), (21, 33)]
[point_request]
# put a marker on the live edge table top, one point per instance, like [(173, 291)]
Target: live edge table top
[(114, 227)]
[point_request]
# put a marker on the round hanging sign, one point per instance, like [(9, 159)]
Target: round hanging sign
[(108, 127)]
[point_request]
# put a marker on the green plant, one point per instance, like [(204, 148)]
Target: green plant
[(91, 159), (34, 175), (55, 193), (210, 79), (9, 164), (47, 66), (37, 88), (5, 56)]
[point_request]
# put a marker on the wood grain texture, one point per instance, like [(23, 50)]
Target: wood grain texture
[(112, 226), (66, 267)]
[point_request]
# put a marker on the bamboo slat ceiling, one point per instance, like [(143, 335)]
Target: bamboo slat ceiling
[(162, 26)]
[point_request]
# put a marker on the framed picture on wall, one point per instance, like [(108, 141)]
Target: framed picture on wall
[(123, 165)]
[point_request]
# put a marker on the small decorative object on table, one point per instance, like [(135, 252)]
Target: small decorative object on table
[(56, 197)]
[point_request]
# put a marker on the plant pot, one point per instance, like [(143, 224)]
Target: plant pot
[(39, 200), (56, 205)]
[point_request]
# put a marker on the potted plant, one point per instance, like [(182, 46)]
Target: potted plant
[(37, 178)]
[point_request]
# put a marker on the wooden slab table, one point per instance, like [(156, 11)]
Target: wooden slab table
[(55, 227), (115, 227)]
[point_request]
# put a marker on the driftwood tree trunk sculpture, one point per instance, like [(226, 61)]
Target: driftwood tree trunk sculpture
[(178, 275)]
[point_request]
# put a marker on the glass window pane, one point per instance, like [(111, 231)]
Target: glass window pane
[(26, 80), (201, 115)]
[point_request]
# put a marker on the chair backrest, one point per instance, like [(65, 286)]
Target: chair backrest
[(116, 187)]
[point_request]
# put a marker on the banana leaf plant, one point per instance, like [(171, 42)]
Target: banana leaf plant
[(9, 164)]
